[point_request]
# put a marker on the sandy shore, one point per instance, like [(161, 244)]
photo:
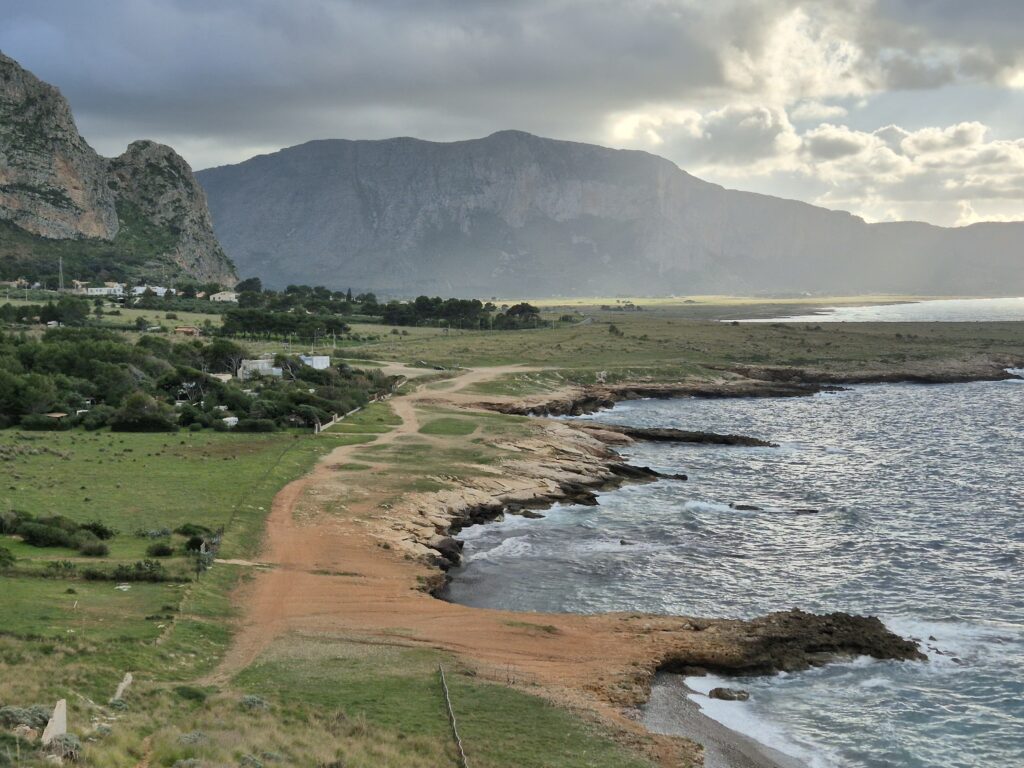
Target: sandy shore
[(671, 712)]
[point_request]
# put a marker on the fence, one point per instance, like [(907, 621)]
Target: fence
[(451, 718)]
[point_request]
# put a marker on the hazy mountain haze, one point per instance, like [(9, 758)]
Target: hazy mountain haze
[(514, 213)]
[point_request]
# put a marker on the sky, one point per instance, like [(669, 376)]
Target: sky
[(891, 109)]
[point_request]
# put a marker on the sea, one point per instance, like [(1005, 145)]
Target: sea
[(896, 500), (929, 311)]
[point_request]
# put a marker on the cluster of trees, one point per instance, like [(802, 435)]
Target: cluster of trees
[(316, 300), (460, 313), (262, 323), (98, 378), (67, 310)]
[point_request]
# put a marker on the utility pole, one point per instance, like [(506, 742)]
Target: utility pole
[(60, 269)]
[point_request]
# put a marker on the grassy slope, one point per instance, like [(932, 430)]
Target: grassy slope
[(376, 708)]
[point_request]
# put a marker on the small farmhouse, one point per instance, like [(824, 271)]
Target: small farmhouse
[(224, 296)]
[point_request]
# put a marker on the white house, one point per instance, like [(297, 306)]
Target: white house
[(159, 290), (320, 362), (224, 296), (261, 367), (231, 421)]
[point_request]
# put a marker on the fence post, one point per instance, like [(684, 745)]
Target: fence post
[(451, 719)]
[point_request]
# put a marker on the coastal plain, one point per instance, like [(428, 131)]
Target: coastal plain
[(316, 637)]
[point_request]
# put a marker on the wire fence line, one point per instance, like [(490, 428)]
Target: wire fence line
[(451, 718)]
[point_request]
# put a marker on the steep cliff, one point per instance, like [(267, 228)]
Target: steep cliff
[(514, 213), (158, 182), (141, 214)]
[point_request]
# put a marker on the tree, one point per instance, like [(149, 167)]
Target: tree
[(142, 413), (253, 284)]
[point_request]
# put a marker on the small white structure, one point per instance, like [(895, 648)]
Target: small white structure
[(224, 296), (225, 377), (260, 367), (58, 724), (159, 290), (117, 289), (231, 421), (320, 362)]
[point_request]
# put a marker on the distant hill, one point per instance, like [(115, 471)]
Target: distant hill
[(138, 215), (515, 214)]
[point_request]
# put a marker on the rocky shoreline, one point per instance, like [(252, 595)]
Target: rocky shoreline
[(750, 381), (571, 463)]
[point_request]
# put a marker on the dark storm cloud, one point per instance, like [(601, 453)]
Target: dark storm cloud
[(273, 72), (737, 90)]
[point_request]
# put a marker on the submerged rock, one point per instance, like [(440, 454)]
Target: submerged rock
[(728, 694)]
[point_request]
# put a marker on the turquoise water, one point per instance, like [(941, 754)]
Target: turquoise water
[(919, 492)]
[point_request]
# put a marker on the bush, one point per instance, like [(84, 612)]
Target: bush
[(192, 529), (253, 703), (195, 426), (99, 530), (191, 693), (36, 716), (97, 417), (37, 535), (256, 425), (195, 544), (142, 413), (159, 549), (66, 746), (142, 570), (94, 549), (38, 422), (6, 558)]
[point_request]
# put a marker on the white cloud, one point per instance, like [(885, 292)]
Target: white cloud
[(815, 110)]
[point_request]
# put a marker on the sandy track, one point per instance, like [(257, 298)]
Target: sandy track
[(331, 576)]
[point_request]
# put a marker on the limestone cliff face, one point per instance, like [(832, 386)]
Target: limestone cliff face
[(51, 182), (158, 182), (55, 186), (515, 214)]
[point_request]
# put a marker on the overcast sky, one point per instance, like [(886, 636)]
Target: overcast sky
[(891, 109)]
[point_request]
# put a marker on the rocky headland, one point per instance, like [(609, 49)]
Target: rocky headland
[(54, 186)]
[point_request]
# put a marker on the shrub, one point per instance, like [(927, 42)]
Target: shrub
[(6, 558), (66, 746), (192, 529), (36, 716), (38, 422), (253, 703), (94, 549), (195, 426), (195, 544), (142, 570), (98, 416), (191, 693), (60, 569), (10, 520), (37, 535), (99, 530), (142, 413), (256, 425), (159, 549)]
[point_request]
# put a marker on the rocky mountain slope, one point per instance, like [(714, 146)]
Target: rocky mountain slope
[(141, 212), (515, 214)]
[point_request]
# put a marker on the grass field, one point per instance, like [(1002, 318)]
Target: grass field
[(62, 636)]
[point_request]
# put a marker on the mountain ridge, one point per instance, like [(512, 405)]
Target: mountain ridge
[(517, 213)]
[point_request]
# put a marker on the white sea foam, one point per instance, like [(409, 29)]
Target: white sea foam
[(741, 717)]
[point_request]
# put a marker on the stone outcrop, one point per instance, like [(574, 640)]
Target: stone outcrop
[(523, 215), (55, 186), (52, 183), (159, 183), (787, 641)]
